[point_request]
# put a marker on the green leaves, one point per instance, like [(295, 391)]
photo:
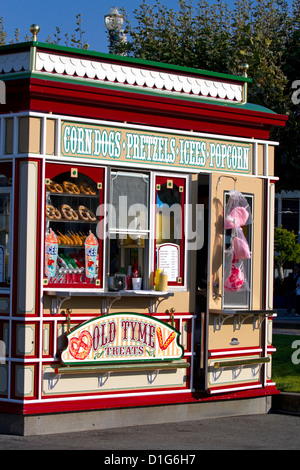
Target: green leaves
[(209, 36), (286, 249)]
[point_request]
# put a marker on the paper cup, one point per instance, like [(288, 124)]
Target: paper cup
[(137, 283)]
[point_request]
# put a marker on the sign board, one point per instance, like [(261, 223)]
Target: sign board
[(168, 259), (141, 147), (122, 337)]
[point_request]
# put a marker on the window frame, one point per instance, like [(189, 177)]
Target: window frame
[(113, 232), (54, 169), (182, 180), (249, 292)]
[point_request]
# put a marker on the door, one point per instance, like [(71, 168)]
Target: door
[(236, 279)]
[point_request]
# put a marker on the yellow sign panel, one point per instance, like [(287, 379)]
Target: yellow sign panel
[(141, 147), (122, 337)]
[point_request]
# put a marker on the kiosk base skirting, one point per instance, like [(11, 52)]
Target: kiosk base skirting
[(80, 421)]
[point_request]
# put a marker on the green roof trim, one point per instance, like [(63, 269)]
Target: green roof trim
[(130, 60)]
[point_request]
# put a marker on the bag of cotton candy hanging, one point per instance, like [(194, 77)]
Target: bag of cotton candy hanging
[(236, 279), (237, 212)]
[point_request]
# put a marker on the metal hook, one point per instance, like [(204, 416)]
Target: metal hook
[(227, 176)]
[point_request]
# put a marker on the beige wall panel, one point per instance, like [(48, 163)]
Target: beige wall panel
[(269, 368), (5, 339), (3, 379), (62, 330), (29, 135), (78, 305), (271, 160), (269, 326), (24, 381), (120, 381), (46, 339), (181, 301), (50, 136), (4, 305), (260, 159), (25, 339), (231, 376), (247, 336), (27, 242), (23, 138), (9, 135)]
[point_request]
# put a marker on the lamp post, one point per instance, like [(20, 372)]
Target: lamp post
[(114, 22)]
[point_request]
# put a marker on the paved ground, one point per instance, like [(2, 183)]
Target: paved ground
[(286, 323), (256, 432)]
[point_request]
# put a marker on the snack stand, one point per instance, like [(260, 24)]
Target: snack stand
[(136, 241)]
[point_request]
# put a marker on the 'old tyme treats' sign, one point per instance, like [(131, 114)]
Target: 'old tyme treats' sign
[(122, 337)]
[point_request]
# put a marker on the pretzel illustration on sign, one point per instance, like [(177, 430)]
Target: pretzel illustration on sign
[(80, 347), (164, 345)]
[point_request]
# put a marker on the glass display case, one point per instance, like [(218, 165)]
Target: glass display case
[(129, 230), (73, 242)]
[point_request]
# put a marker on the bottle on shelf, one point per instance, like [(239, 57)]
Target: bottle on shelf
[(157, 274), (51, 251), (135, 272), (128, 278), (163, 281), (91, 252)]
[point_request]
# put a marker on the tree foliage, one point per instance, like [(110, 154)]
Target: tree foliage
[(287, 249), (211, 36), (208, 36), (76, 40)]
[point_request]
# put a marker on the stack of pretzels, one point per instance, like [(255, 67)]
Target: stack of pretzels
[(70, 188), (68, 213)]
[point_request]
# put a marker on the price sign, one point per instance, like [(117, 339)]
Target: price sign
[(168, 260)]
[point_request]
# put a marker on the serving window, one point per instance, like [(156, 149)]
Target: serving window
[(73, 244), (133, 237), (129, 231), (238, 250)]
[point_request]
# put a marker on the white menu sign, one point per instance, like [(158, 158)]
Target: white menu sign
[(168, 260)]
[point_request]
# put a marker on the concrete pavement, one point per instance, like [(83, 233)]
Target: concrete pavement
[(254, 432), (286, 321)]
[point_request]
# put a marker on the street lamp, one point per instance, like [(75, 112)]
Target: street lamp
[(114, 22)]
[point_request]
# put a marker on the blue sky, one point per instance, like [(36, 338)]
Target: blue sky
[(49, 14)]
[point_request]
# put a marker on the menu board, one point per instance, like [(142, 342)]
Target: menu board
[(168, 260)]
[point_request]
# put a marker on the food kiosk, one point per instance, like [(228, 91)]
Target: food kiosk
[(136, 242)]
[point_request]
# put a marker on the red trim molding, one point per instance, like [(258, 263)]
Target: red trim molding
[(110, 104)]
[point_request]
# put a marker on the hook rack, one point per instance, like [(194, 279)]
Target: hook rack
[(239, 318), (104, 371), (237, 366)]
